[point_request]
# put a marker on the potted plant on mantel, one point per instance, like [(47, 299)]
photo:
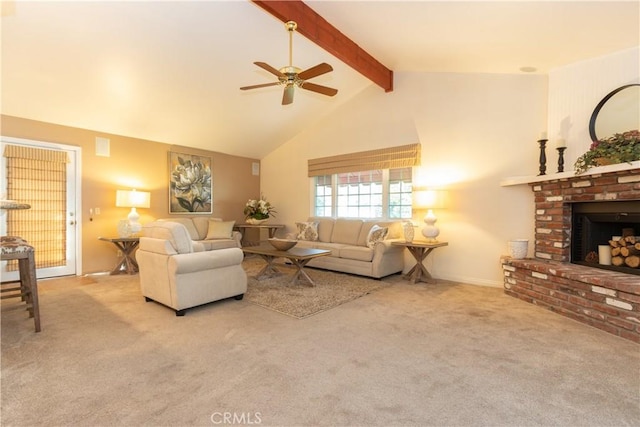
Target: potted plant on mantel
[(620, 148)]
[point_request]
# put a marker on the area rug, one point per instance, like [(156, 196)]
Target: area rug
[(301, 300)]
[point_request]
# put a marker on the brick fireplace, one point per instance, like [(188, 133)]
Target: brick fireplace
[(608, 300)]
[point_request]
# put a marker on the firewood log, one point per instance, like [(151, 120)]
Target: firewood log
[(614, 243), (630, 239), (615, 251), (617, 261), (628, 251), (637, 246), (632, 261)]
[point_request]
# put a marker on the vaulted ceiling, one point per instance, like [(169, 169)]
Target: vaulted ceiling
[(171, 71)]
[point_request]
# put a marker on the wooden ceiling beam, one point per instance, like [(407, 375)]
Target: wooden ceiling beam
[(318, 30)]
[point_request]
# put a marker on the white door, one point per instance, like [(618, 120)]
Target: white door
[(65, 233)]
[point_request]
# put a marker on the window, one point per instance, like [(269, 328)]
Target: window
[(324, 195), (400, 193), (359, 194), (382, 193)]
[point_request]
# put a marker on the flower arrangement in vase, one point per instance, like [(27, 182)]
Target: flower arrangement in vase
[(258, 211), (619, 148)]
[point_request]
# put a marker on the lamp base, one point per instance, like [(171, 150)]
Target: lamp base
[(134, 226), (135, 229), (430, 234), (430, 231)]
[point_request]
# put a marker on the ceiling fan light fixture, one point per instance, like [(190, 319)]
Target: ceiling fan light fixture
[(290, 69), (291, 76)]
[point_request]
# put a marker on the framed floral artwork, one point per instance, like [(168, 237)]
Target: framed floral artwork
[(190, 186)]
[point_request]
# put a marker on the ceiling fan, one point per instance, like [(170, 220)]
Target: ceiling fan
[(291, 76)]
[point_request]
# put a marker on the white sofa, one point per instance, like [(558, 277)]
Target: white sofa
[(174, 274), (209, 232), (347, 241)]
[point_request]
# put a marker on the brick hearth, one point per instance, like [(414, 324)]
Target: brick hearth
[(604, 299)]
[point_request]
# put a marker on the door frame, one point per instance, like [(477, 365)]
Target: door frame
[(77, 172)]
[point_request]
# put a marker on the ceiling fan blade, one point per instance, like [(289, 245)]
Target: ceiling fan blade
[(316, 71), (287, 96), (329, 91), (259, 86), (270, 69)]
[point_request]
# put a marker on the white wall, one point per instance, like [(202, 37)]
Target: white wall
[(575, 90), (475, 130)]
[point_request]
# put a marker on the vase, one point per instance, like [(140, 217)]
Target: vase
[(518, 248), (254, 221), (408, 230)]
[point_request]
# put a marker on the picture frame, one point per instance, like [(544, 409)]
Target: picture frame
[(190, 184)]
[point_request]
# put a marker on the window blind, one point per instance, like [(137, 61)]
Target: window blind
[(38, 177), (385, 158)]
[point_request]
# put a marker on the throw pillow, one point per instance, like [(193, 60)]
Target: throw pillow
[(307, 231), (376, 234), (220, 229)]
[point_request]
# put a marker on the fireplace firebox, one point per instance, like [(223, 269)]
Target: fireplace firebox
[(595, 223)]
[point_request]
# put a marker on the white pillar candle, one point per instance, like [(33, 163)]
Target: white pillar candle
[(543, 135), (561, 143), (604, 254)]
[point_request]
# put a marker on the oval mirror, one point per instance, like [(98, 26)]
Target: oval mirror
[(618, 112)]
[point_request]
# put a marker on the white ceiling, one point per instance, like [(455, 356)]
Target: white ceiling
[(170, 71)]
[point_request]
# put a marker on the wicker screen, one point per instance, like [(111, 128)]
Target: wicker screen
[(385, 158), (38, 177)]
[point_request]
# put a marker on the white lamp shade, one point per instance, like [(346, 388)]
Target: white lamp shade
[(133, 199), (428, 199)]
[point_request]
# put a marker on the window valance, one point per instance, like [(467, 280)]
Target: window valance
[(386, 158), (38, 154)]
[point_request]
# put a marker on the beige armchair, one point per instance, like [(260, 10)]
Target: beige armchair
[(174, 274)]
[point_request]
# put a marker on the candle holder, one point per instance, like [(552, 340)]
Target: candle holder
[(561, 158), (543, 157)]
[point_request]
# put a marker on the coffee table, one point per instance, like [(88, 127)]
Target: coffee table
[(299, 257)]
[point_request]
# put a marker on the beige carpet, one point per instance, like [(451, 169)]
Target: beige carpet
[(300, 299), (446, 354)]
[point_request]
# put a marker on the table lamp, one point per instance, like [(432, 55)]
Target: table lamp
[(424, 198), (133, 199)]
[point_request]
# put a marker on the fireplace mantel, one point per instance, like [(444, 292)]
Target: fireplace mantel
[(532, 179)]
